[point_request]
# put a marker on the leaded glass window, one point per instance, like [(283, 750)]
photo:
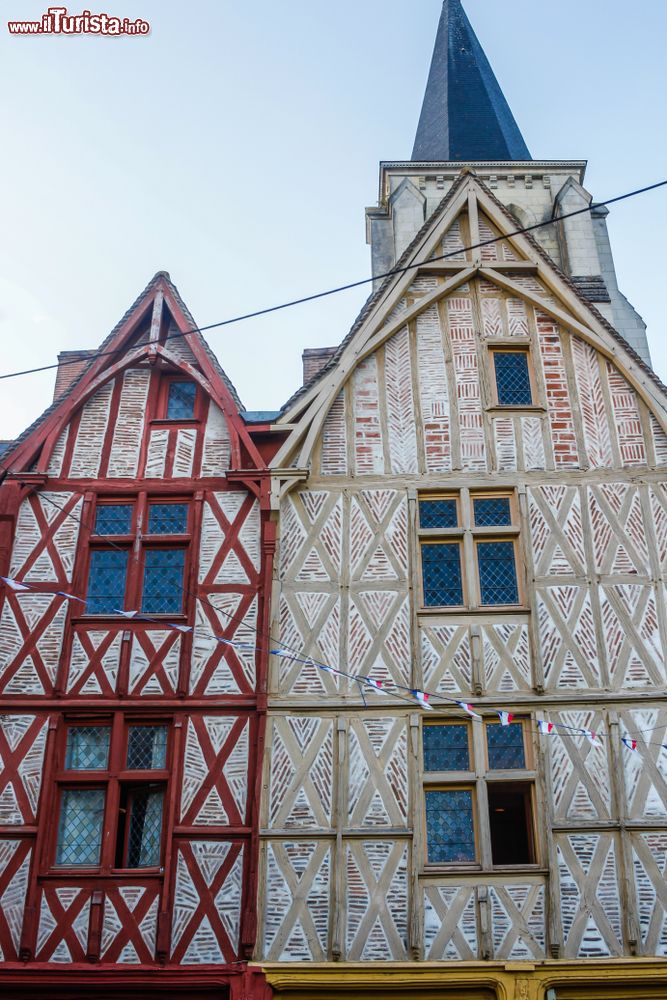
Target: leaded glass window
[(80, 826), (497, 573), (450, 829), (492, 512), (106, 581), (438, 513), (441, 573), (146, 748), (181, 401), (87, 748), (145, 829), (163, 581), (446, 748), (167, 518), (113, 519), (512, 378), (505, 747)]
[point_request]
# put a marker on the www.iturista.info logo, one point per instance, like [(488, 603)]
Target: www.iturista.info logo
[(56, 21)]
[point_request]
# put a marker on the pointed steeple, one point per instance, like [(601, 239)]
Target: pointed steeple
[(465, 116)]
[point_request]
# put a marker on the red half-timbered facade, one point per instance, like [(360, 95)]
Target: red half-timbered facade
[(135, 534)]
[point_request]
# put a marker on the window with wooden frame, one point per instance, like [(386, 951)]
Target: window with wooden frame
[(513, 379), (111, 782), (179, 400), (479, 788), (138, 556), (468, 544)]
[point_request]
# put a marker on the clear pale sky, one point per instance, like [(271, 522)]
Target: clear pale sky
[(237, 145)]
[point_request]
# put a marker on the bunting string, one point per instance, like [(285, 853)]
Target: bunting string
[(421, 698)]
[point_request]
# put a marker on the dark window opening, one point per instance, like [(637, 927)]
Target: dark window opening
[(510, 824), (139, 826)]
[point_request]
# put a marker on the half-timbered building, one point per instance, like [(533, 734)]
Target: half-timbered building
[(135, 545), (466, 764)]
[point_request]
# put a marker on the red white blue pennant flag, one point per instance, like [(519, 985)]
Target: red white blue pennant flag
[(469, 709), (630, 744), (506, 718), (376, 685), (14, 584), (422, 698), (546, 728)]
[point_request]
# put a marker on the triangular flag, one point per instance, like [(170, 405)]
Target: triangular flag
[(591, 736), (630, 744), (70, 597), (283, 652), (180, 628), (546, 728), (14, 584), (227, 642), (376, 685), (505, 718), (422, 698), (322, 666), (469, 709), (125, 614)]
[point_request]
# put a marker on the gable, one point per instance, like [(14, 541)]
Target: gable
[(413, 388), (113, 420)]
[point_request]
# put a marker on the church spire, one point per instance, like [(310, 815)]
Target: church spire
[(465, 116)]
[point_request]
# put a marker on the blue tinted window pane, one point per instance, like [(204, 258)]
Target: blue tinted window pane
[(80, 826), (113, 519), (143, 840), (492, 512), (441, 570), (146, 748), (512, 378), (163, 581), (497, 573), (87, 748), (446, 748), (106, 581), (450, 831), (181, 401), (167, 518), (438, 514), (505, 746)]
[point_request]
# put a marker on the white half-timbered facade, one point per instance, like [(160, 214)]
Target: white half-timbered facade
[(481, 516)]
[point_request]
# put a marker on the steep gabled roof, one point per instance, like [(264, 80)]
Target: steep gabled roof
[(160, 281), (406, 259), (465, 116), (308, 408)]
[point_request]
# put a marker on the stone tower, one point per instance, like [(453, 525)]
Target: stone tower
[(466, 121)]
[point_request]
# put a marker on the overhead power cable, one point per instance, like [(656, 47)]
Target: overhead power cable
[(350, 285), (366, 684)]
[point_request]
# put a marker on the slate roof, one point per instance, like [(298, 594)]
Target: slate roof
[(465, 115), (107, 341)]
